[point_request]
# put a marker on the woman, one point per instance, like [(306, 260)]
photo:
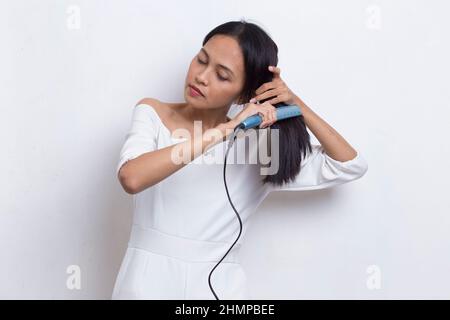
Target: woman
[(183, 222)]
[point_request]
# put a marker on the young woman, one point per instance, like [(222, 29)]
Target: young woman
[(183, 222)]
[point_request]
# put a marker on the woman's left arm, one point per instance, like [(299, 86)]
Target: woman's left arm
[(331, 163), (332, 142)]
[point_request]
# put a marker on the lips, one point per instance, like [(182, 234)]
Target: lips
[(196, 89)]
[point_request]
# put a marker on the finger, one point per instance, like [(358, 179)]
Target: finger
[(275, 100), (268, 94), (276, 71), (280, 98), (264, 119), (269, 111), (267, 120), (264, 87), (274, 116), (270, 119), (261, 114)]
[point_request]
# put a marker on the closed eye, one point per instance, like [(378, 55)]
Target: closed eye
[(218, 75)]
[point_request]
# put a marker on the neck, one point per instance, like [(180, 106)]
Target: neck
[(210, 118)]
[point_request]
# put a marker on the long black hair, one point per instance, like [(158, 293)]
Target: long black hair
[(259, 52)]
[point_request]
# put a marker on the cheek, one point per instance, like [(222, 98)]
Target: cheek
[(225, 92)]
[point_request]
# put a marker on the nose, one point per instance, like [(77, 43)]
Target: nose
[(201, 78)]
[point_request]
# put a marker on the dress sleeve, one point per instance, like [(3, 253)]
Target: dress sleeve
[(320, 171), (142, 135)]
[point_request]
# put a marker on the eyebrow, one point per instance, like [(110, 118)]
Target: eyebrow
[(220, 65)]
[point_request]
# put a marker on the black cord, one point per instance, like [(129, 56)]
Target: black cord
[(233, 137)]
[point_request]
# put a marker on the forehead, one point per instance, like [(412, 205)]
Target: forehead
[(225, 50)]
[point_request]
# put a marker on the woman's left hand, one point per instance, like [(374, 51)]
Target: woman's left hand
[(276, 89)]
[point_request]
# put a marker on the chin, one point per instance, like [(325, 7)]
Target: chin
[(195, 101)]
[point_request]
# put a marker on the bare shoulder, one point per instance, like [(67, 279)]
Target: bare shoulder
[(155, 103), (163, 109)]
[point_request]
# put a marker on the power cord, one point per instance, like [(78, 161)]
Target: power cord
[(233, 137)]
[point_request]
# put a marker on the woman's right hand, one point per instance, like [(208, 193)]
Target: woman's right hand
[(266, 110)]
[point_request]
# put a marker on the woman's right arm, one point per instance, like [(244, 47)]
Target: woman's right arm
[(152, 167)]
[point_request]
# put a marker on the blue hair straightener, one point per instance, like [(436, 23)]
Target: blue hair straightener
[(283, 112)]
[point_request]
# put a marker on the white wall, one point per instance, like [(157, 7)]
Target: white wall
[(377, 71)]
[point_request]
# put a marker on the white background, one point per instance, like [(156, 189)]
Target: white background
[(377, 71)]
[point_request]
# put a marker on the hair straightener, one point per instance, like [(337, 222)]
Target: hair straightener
[(283, 112)]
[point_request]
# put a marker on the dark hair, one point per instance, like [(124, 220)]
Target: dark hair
[(260, 51)]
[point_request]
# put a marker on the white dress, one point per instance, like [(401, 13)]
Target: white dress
[(183, 225)]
